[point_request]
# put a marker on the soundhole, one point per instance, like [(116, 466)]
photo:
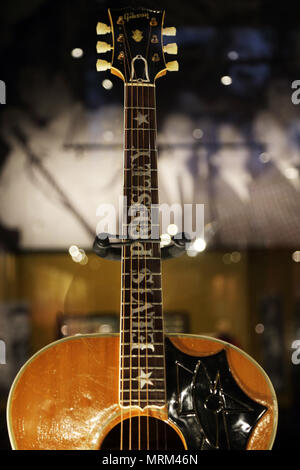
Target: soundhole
[(142, 433)]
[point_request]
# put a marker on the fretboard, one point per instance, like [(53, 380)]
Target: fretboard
[(142, 368)]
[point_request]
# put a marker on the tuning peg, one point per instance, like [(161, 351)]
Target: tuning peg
[(102, 65), (103, 28), (103, 47), (172, 66), (171, 48), (169, 31)]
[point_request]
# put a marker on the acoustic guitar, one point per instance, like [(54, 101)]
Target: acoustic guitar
[(141, 389)]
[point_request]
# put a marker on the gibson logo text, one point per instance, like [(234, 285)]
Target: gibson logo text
[(133, 16)]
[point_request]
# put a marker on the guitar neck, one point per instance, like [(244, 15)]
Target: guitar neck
[(142, 371)]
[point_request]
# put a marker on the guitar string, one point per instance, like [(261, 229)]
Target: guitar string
[(121, 373), (160, 270), (154, 126), (147, 219), (130, 250), (146, 296), (141, 233), (124, 250), (132, 259), (153, 104), (122, 331), (131, 267), (150, 104), (152, 185), (158, 246), (145, 262), (139, 338), (145, 291)]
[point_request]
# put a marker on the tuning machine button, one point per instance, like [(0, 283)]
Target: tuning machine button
[(171, 48), (172, 66), (171, 31), (103, 47), (102, 65), (103, 28)]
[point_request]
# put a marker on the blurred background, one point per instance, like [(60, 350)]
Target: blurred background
[(229, 138)]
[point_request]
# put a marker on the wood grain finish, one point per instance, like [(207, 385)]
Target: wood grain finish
[(66, 396)]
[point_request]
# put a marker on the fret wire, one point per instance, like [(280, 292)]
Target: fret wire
[(141, 401), (143, 361), (130, 169), (135, 318), (137, 239), (139, 129), (140, 240), (149, 258), (138, 107), (156, 332), (136, 355), (152, 303), (137, 378), (135, 187), (134, 396), (153, 274), (157, 317), (153, 242), (158, 371), (156, 343), (149, 290), (154, 292), (134, 390), (153, 367), (154, 318), (142, 149), (157, 320)]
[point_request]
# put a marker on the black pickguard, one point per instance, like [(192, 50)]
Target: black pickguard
[(206, 403)]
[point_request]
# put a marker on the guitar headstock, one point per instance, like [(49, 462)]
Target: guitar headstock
[(137, 50)]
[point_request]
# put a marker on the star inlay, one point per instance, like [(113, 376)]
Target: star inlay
[(144, 379), (141, 118)]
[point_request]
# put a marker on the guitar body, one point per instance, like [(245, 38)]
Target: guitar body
[(66, 397)]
